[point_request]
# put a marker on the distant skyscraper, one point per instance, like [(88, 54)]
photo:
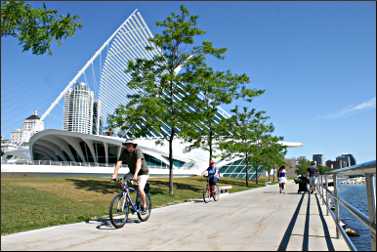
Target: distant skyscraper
[(331, 164), (78, 109), (345, 160), (97, 118), (32, 125), (318, 158)]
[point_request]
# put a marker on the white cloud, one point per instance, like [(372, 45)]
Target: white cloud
[(370, 104)]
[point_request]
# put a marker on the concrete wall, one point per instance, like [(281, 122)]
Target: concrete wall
[(16, 168)]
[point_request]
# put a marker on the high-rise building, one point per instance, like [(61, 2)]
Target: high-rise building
[(318, 159), (78, 109), (32, 125), (97, 118), (345, 160), (331, 164)]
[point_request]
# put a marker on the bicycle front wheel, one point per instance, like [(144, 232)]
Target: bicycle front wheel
[(206, 194), (119, 209)]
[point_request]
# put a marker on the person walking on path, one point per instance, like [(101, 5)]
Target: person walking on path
[(313, 173), (282, 176)]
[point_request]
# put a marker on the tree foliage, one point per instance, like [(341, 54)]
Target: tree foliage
[(164, 102), (302, 166), (323, 169), (216, 88), (251, 138), (35, 28)]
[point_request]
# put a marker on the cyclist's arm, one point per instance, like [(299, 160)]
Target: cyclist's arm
[(118, 164), (138, 167)]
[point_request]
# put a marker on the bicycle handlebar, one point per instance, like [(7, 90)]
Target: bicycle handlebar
[(122, 179)]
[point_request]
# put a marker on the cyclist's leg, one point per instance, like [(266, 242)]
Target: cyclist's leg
[(211, 185), (142, 181)]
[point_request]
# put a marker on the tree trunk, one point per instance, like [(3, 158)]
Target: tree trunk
[(171, 165), (210, 144), (256, 175), (172, 125), (247, 173)]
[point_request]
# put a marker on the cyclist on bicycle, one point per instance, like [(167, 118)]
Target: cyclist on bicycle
[(134, 158), (213, 175)]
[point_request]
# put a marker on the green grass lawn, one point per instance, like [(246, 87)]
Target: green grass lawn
[(30, 202)]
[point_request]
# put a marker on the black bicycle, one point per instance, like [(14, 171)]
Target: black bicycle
[(122, 204), (207, 192)]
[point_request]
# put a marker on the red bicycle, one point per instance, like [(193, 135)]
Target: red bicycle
[(207, 194)]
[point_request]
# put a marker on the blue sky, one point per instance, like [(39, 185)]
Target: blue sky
[(316, 61)]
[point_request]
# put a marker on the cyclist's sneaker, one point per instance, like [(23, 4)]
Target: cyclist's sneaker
[(143, 211)]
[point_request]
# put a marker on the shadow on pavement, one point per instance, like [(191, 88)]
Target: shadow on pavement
[(305, 243), (105, 223), (287, 235), (329, 243)]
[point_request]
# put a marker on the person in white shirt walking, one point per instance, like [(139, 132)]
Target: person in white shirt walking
[(282, 175)]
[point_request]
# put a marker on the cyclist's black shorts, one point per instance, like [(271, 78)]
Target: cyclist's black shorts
[(213, 180)]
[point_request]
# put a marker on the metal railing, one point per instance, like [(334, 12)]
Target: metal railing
[(86, 164), (332, 199), (61, 163)]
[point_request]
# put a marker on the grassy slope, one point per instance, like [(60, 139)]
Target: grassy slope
[(30, 202)]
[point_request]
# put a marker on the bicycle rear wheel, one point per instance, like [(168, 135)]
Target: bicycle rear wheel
[(216, 193), (119, 210), (206, 194), (144, 217)]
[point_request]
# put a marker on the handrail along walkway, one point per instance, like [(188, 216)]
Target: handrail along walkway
[(367, 169)]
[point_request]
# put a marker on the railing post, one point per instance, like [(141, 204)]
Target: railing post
[(371, 193), (321, 189), (327, 196), (337, 214)]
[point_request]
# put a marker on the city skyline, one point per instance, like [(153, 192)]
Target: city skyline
[(356, 107)]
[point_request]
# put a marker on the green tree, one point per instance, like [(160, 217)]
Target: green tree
[(302, 166), (250, 138), (268, 153), (163, 104), (35, 28), (215, 88), (323, 169)]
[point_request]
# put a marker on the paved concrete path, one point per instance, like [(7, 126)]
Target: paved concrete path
[(259, 219)]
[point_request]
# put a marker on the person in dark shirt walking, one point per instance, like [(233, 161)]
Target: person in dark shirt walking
[(313, 173), (282, 176)]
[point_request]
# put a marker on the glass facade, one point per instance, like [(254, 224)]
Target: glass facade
[(237, 169), (154, 162)]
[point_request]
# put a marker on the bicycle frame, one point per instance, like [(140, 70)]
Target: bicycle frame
[(208, 186), (126, 192)]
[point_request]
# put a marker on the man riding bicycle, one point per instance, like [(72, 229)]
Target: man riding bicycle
[(213, 175), (134, 158)]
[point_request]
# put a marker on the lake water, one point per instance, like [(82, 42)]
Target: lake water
[(356, 195)]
